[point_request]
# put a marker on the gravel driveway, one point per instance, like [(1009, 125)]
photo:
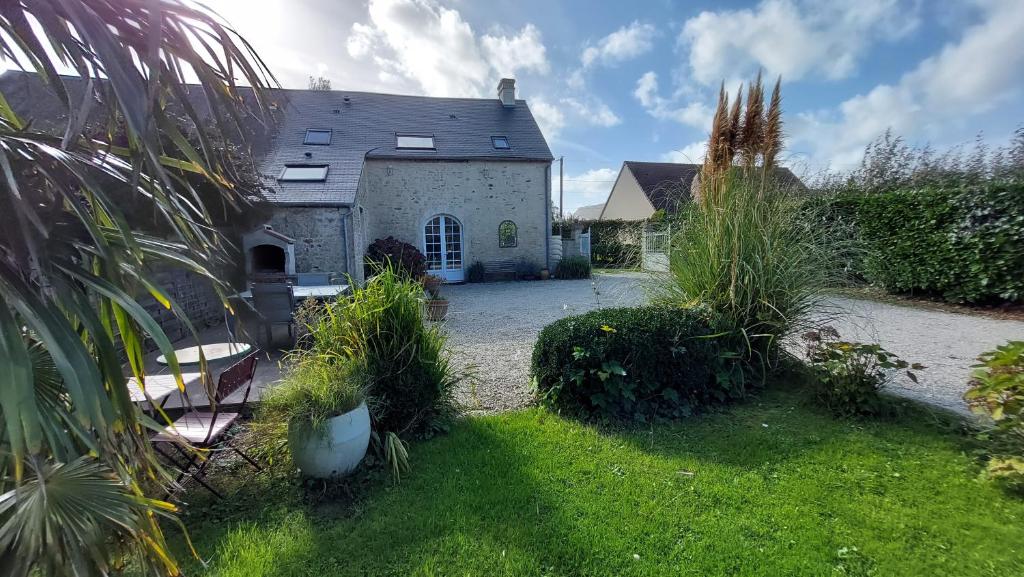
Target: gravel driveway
[(493, 327)]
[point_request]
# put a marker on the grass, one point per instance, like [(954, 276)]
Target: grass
[(771, 487)]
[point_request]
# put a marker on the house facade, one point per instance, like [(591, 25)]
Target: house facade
[(642, 188), (446, 175)]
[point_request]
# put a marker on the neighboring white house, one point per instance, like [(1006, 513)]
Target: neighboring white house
[(589, 213), (645, 187), (443, 174)]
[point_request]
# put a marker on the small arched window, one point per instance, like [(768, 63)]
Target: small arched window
[(508, 234)]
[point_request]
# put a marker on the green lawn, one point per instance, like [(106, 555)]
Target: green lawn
[(771, 487)]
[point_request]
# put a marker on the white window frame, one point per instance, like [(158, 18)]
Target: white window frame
[(412, 145), (284, 172), (330, 136)]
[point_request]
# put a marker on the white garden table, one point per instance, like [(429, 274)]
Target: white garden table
[(212, 352), (313, 291)]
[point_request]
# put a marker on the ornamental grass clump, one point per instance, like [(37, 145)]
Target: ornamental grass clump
[(749, 247), (408, 366)]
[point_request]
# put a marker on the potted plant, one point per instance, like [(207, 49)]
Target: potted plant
[(431, 283), (545, 274), (322, 401), (437, 306)]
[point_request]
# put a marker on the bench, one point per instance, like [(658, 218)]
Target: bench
[(500, 270)]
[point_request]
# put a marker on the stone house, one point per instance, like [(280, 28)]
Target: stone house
[(462, 179)]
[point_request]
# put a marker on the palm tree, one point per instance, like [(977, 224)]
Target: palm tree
[(76, 471)]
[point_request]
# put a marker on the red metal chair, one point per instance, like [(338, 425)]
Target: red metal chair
[(207, 430)]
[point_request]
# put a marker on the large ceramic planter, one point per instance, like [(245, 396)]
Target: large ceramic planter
[(337, 450)]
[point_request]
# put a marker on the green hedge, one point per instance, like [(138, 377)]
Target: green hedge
[(615, 243), (963, 244), (635, 363)]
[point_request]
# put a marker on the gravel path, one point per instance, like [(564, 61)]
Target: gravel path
[(946, 343), (493, 327)]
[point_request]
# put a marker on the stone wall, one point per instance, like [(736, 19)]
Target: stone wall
[(320, 236), (400, 196), (193, 295)]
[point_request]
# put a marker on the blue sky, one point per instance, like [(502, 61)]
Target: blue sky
[(616, 81)]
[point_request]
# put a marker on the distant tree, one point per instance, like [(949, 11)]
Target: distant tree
[(319, 83)]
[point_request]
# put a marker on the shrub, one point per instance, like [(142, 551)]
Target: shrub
[(965, 244), (997, 390), (752, 253), (405, 258), (573, 267), (849, 376), (635, 363), (476, 272), (615, 243), (527, 268)]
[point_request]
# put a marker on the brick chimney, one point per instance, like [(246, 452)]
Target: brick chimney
[(507, 92)]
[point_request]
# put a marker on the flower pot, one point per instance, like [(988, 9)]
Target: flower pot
[(336, 450), (431, 283), (437, 310), (545, 274)]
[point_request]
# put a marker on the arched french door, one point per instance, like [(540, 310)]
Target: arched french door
[(442, 244)]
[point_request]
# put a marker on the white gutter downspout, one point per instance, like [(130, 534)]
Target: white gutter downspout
[(547, 218)]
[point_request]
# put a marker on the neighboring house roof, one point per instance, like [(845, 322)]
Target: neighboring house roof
[(364, 125), (590, 212), (668, 185)]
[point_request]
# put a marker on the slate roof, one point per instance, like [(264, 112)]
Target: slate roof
[(34, 101), (667, 184), (364, 125)]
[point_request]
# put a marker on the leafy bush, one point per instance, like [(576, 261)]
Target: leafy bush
[(406, 259), (476, 272), (751, 252), (849, 376), (527, 268), (997, 390), (635, 363), (573, 267)]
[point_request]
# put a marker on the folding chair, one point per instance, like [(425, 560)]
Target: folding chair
[(207, 430)]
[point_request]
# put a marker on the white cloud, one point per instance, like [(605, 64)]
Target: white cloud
[(623, 44), (592, 112), (693, 113), (966, 77), (434, 48), (548, 116), (692, 153), (524, 51), (590, 187), (794, 38)]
